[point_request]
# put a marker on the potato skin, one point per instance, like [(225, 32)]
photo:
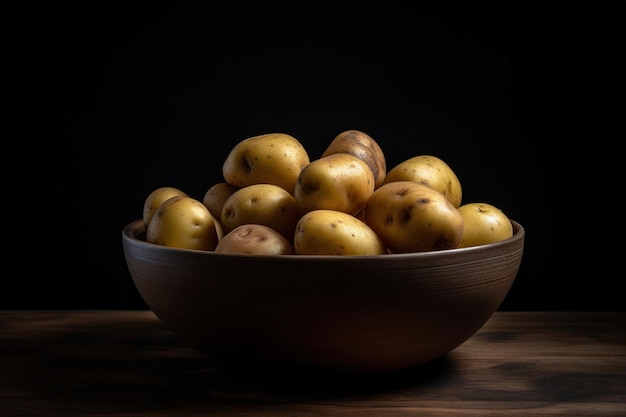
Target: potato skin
[(332, 232), (266, 204), (272, 158), (412, 217), (183, 222), (215, 197), (431, 171), (484, 224), (255, 239), (339, 181), (363, 146), (156, 198)]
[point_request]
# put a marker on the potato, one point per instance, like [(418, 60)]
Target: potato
[(412, 217), (215, 197), (484, 223), (363, 146), (332, 232), (183, 222), (273, 158), (431, 171), (341, 182), (155, 199), (265, 204), (255, 239), (218, 228)]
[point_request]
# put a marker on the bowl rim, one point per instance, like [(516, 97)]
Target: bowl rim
[(132, 232)]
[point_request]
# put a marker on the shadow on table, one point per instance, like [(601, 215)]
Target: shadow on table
[(140, 365)]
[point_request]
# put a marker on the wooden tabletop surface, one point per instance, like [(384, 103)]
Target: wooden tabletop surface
[(125, 363)]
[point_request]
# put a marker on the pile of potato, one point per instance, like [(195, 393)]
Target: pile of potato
[(275, 200)]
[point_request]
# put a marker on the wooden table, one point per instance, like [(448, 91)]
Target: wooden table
[(125, 363)]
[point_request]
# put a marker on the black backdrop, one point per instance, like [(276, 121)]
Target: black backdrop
[(104, 102)]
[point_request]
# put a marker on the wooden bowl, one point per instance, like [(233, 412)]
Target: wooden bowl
[(337, 313)]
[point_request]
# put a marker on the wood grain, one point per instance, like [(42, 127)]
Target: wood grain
[(125, 363)]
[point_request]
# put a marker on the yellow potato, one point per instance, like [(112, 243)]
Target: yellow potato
[(215, 197), (341, 182), (431, 171), (484, 223), (412, 217), (183, 222), (155, 199), (332, 232), (363, 146), (273, 158), (255, 239), (265, 204)]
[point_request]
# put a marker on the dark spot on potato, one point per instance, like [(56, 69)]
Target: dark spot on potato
[(406, 214), (228, 212), (423, 200), (388, 220), (310, 187), (441, 243), (245, 165), (333, 225)]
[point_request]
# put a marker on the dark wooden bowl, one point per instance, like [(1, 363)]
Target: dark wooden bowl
[(377, 313)]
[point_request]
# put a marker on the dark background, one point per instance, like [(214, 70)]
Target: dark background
[(104, 102)]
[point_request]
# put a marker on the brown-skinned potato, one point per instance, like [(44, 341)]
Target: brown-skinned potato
[(255, 239), (363, 146), (216, 195)]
